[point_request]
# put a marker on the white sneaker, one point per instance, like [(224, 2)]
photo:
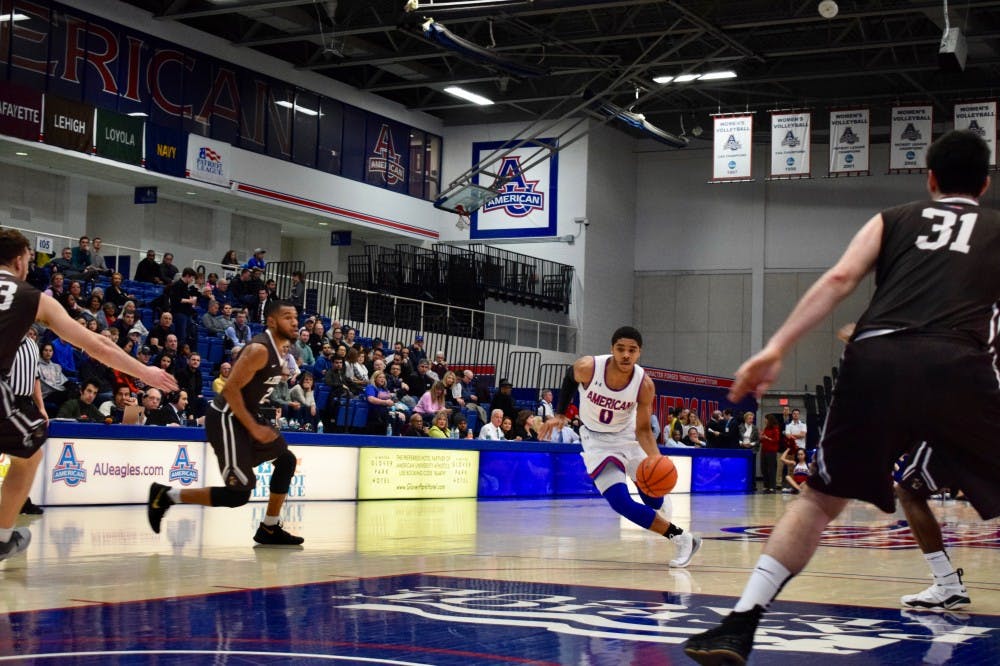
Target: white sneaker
[(18, 543), (945, 597), (687, 545)]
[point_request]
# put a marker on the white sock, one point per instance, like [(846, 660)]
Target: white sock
[(767, 579), (271, 520), (6, 534), (174, 494), (944, 572)]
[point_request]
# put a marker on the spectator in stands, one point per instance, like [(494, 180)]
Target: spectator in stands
[(381, 402), (183, 298), (749, 435), (304, 396), (694, 422), (253, 285), (230, 262), (124, 324), (272, 288), (467, 397), (796, 430), (114, 409), (693, 438), (212, 322), (730, 433), (257, 260), (394, 356), (97, 261), (545, 409), (222, 293), (439, 428), (714, 429), (64, 264), (56, 284), (565, 435), (403, 358), (676, 439), (152, 405), (394, 382), (224, 369), (306, 357), (239, 287), (439, 367), (507, 427), (158, 335), (317, 337), (451, 387), (166, 362), (524, 426), (357, 373), (419, 381), (281, 398), (297, 297), (504, 400), (770, 440), (167, 269), (417, 352), (462, 428), (107, 316), (324, 362), (54, 382), (492, 430), (83, 261), (82, 408), (148, 270), (238, 335), (259, 306), (92, 310), (116, 294), (350, 336), (175, 412), (432, 401), (189, 378), (415, 428)]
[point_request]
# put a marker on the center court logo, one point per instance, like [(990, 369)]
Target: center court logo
[(183, 469), (892, 536), (519, 195), (68, 469)]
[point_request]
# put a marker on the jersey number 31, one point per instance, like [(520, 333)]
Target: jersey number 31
[(944, 229)]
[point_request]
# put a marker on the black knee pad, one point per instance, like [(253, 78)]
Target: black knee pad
[(230, 497), (282, 473)]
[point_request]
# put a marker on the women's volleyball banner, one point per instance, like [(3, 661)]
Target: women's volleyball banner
[(733, 149), (790, 145), (910, 136), (981, 118), (850, 142)]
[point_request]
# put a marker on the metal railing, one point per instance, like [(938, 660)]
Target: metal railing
[(110, 251)]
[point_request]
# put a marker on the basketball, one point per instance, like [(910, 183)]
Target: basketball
[(656, 476)]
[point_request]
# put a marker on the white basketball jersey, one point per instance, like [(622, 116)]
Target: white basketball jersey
[(603, 409)]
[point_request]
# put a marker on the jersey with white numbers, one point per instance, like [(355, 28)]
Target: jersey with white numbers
[(604, 409), (18, 309), (938, 269)]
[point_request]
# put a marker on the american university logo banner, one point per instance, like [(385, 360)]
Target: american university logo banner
[(732, 153), (910, 136), (790, 145), (850, 131), (981, 118), (526, 204)]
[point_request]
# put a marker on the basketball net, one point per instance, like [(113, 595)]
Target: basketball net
[(463, 218)]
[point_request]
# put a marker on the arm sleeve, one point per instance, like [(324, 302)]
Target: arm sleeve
[(566, 391)]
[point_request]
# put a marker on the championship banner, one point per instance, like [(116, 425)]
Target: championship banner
[(733, 148), (526, 204), (980, 118), (790, 144), (208, 160), (68, 124), (850, 142), (910, 136), (20, 112), (119, 137)]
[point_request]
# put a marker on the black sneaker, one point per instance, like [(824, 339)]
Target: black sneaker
[(728, 643), (31, 509), (275, 535), (157, 505), (18, 543)]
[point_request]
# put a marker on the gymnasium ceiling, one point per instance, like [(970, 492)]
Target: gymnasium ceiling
[(786, 55)]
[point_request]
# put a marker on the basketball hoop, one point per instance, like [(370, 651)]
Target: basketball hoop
[(463, 218)]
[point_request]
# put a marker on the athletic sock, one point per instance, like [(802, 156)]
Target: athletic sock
[(6, 534), (271, 520), (767, 579), (672, 531), (944, 572), (174, 494)]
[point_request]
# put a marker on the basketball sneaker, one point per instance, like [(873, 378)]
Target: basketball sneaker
[(687, 545), (728, 643), (157, 505), (31, 509), (18, 543), (275, 535), (938, 596)]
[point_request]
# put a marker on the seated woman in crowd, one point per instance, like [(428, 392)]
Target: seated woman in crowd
[(507, 426), (54, 382), (523, 429), (93, 310), (432, 401), (380, 403), (220, 380), (440, 428), (303, 395), (357, 378)]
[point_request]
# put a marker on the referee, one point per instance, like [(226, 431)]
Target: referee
[(27, 388)]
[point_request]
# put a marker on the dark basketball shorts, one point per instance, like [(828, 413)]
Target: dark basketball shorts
[(890, 397), (22, 428), (237, 452)]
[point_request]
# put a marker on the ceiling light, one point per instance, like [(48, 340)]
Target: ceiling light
[(21, 153), (469, 96), (324, 224), (662, 79), (139, 114), (715, 76), (684, 78), (17, 17), (297, 108), (191, 194)]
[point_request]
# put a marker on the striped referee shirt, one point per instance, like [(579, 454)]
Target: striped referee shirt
[(24, 369)]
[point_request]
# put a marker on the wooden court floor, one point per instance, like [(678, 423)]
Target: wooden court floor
[(467, 582)]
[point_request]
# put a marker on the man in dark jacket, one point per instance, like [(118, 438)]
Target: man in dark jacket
[(505, 401), (148, 270), (83, 408)]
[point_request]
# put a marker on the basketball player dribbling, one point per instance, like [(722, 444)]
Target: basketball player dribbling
[(241, 437), (616, 401)]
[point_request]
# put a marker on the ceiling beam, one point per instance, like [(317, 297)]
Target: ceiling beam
[(232, 8)]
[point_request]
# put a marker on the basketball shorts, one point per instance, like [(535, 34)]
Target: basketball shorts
[(237, 452), (610, 451), (890, 393), (926, 470), (22, 428)]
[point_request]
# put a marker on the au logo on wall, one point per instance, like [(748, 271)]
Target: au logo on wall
[(526, 204)]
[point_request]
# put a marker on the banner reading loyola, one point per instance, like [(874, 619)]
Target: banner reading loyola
[(119, 137)]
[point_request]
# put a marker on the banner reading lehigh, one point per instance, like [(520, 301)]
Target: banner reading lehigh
[(790, 145), (733, 148), (981, 118), (850, 131), (910, 137), (208, 160)]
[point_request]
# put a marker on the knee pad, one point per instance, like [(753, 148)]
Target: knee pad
[(619, 499), (653, 502), (281, 475), (230, 497)]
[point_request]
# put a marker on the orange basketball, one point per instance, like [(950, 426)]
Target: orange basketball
[(656, 476)]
